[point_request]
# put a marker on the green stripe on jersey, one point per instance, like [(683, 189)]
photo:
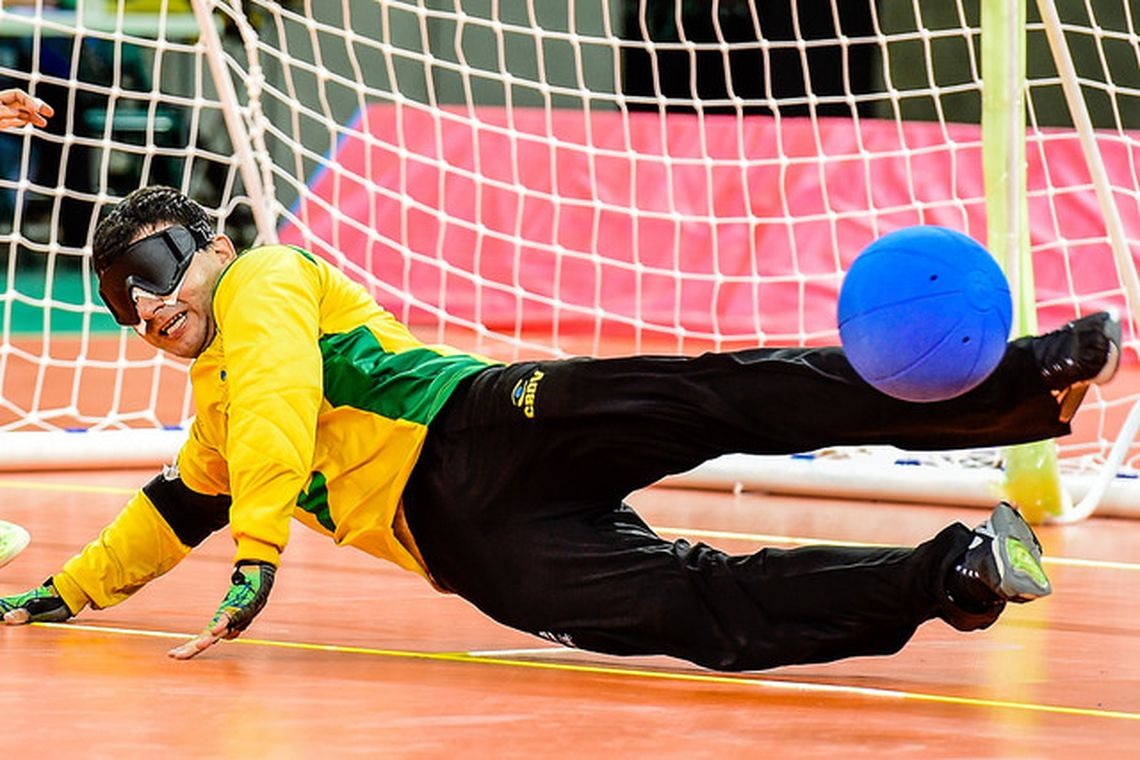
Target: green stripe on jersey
[(315, 501), (409, 385)]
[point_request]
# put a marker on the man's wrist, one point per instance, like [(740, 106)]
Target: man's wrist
[(70, 592)]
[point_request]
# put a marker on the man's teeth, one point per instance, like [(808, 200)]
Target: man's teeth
[(173, 324)]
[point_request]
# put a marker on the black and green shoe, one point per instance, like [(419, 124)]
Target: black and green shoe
[(1004, 559)]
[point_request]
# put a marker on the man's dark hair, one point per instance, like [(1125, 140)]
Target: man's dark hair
[(142, 211)]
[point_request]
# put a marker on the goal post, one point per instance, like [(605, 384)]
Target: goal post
[(1031, 476), (546, 179)]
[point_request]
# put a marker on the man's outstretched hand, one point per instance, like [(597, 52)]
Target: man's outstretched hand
[(249, 590), (40, 605), (18, 108)]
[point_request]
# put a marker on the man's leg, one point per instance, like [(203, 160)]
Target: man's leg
[(498, 522), (615, 425), (605, 582), (512, 503)]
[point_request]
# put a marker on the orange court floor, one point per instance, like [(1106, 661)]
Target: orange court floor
[(355, 657)]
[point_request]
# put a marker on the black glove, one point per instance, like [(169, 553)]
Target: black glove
[(249, 590), (40, 605)]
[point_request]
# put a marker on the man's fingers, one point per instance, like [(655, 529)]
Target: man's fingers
[(194, 646), (34, 112), (18, 616), (249, 588), (203, 640)]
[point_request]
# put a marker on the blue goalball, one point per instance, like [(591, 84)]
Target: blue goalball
[(924, 314)]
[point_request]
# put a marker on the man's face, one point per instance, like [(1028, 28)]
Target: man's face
[(183, 323)]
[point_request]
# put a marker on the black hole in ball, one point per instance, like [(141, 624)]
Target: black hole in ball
[(933, 277), (965, 338)]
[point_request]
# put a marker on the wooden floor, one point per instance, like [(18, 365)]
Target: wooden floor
[(354, 657)]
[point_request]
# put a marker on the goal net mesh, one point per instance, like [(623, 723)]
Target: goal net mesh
[(541, 179)]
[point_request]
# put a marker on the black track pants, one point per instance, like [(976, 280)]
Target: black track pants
[(517, 501)]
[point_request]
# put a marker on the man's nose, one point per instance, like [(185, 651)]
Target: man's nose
[(148, 306)]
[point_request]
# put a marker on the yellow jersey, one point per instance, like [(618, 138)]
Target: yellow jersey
[(312, 401)]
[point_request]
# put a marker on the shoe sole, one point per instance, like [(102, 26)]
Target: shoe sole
[(1070, 400), (1017, 553), (13, 540), (1115, 334)]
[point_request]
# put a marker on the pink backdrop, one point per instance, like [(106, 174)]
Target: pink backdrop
[(578, 221)]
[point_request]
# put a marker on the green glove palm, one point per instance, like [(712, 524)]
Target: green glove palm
[(39, 605), (249, 591)]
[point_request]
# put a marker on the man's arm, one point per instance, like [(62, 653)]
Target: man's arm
[(268, 311), (157, 528)]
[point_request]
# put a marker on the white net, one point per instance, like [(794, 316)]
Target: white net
[(599, 176), (131, 107)]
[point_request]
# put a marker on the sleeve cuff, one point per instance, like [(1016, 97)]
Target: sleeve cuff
[(70, 592), (251, 549)]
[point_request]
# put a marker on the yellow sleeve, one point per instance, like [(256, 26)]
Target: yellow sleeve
[(137, 547), (267, 305), (200, 465)]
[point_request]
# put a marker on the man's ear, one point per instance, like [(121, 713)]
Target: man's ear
[(224, 248)]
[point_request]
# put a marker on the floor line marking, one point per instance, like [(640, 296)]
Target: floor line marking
[(46, 485), (631, 672)]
